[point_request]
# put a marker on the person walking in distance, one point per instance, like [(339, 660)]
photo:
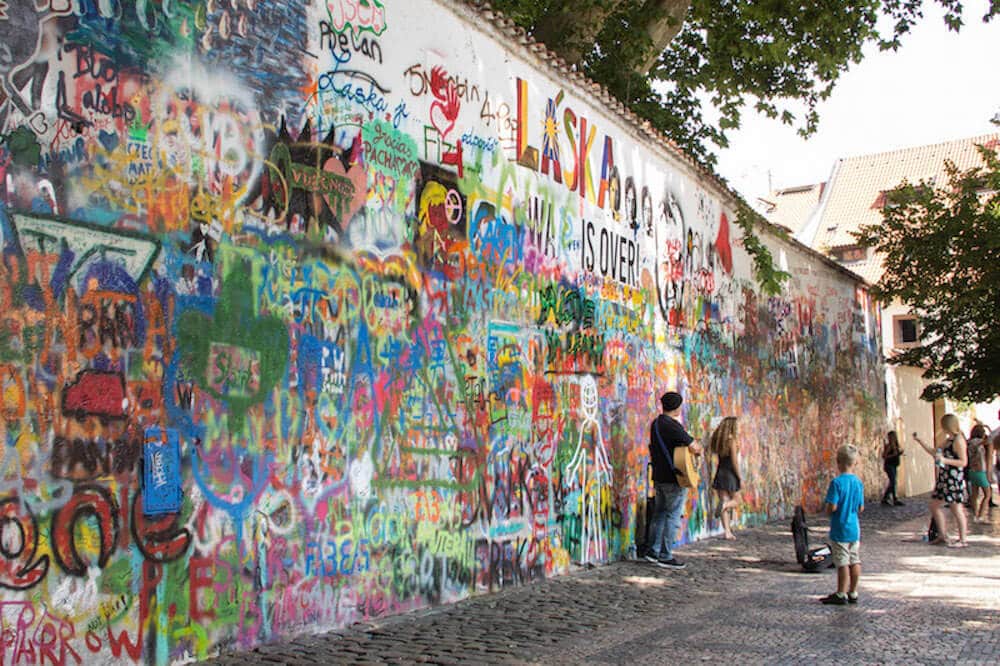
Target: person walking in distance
[(845, 499), (950, 455), (891, 453), (666, 434), (993, 447), (727, 477), (980, 473)]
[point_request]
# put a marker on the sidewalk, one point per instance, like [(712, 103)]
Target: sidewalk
[(741, 602)]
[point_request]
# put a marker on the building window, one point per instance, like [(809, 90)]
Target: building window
[(906, 332), (850, 254)]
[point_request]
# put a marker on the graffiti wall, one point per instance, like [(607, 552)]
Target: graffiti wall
[(319, 310)]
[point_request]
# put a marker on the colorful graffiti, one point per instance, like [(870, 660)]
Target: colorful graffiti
[(310, 314)]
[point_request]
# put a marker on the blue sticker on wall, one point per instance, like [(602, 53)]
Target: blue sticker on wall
[(161, 487)]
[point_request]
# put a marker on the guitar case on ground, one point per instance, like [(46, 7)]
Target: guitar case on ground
[(811, 559)]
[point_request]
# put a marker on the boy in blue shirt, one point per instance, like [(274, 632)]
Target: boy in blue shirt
[(845, 499)]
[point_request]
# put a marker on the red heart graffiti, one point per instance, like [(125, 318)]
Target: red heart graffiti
[(445, 108), (722, 244)]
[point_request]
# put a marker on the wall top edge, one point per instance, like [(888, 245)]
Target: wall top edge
[(518, 41)]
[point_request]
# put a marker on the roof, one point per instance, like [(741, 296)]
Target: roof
[(854, 195), (791, 207)]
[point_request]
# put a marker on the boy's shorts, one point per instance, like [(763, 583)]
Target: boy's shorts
[(846, 553)]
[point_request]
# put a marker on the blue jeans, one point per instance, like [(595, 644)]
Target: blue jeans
[(666, 519)]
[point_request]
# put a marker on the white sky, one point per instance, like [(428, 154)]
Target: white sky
[(938, 86)]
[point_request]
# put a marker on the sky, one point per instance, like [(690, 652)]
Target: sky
[(938, 86)]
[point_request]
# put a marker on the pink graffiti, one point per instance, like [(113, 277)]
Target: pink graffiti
[(359, 15)]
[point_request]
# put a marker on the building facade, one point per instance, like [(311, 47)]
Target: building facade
[(825, 217)]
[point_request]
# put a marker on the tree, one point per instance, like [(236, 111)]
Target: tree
[(775, 55), (941, 255)]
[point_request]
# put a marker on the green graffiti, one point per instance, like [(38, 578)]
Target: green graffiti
[(390, 152), (24, 148), (237, 356)]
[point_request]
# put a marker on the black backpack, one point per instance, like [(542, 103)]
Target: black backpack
[(811, 559)]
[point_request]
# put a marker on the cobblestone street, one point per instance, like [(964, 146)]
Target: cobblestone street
[(742, 601)]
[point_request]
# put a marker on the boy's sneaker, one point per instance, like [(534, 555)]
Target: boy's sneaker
[(649, 557), (852, 598), (672, 563), (834, 600), (898, 503)]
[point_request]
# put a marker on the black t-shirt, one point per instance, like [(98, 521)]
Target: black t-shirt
[(892, 460), (672, 434)]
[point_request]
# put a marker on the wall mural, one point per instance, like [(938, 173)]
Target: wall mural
[(314, 311)]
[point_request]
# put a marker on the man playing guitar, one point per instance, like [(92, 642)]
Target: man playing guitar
[(665, 435)]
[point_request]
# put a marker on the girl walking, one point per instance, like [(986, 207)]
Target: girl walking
[(891, 453), (727, 478), (950, 455)]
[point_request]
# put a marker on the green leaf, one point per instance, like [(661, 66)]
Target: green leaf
[(770, 279)]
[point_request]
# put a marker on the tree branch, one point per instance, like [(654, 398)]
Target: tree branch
[(572, 29), (666, 20)]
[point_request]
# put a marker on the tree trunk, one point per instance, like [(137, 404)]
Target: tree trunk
[(668, 18), (572, 29)]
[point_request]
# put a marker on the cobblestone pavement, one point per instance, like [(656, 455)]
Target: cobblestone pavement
[(742, 601)]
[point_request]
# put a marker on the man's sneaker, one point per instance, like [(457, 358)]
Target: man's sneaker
[(649, 557), (672, 563), (898, 503), (852, 598), (834, 600)]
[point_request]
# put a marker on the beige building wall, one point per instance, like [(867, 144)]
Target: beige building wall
[(907, 412)]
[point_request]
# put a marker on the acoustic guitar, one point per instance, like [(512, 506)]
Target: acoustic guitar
[(686, 465)]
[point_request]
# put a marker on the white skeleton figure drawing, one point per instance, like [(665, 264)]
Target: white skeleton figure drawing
[(592, 470)]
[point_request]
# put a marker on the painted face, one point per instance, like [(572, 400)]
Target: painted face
[(670, 231), (630, 201), (614, 190), (647, 212)]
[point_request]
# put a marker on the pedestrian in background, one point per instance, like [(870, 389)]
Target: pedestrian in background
[(993, 442), (727, 482), (980, 473), (950, 453), (891, 453), (845, 500)]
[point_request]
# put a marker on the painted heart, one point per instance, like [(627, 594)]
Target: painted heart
[(440, 119), (108, 139), (39, 124), (351, 191)]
